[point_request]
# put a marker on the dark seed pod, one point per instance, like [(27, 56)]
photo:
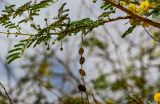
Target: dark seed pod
[(82, 72), (81, 51), (61, 49), (48, 48), (31, 18), (81, 88), (82, 60), (45, 19)]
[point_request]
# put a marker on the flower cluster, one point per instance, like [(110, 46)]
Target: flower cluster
[(141, 8)]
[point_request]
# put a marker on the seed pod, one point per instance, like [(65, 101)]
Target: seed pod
[(81, 51), (61, 49), (82, 72), (31, 18), (82, 60), (48, 48), (81, 88)]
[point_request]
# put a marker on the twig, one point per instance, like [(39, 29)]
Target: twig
[(151, 35), (51, 91), (9, 33), (82, 98), (10, 100), (23, 34), (87, 97), (117, 18), (133, 15), (93, 97)]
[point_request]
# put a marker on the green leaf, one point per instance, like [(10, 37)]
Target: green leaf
[(12, 59), (130, 30), (20, 44), (14, 50), (13, 55), (24, 20), (104, 14)]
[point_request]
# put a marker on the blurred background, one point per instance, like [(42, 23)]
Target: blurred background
[(115, 67)]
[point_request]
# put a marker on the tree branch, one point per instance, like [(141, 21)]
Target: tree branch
[(117, 18), (134, 15)]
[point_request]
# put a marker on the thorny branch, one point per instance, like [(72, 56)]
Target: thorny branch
[(104, 21), (134, 15)]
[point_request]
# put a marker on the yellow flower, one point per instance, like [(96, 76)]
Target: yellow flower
[(157, 97), (133, 8), (124, 2), (144, 6)]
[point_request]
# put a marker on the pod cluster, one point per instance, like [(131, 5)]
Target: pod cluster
[(82, 87)]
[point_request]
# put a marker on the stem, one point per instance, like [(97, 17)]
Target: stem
[(10, 100), (117, 18), (87, 98), (82, 98), (151, 35), (93, 97), (6, 33)]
